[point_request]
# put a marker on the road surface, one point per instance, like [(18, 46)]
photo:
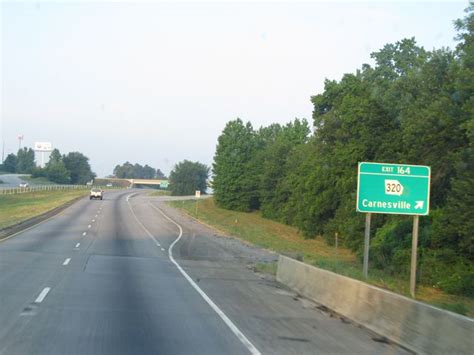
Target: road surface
[(11, 180), (99, 278)]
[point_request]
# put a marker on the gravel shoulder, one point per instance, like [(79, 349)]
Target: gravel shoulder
[(276, 319), (207, 243)]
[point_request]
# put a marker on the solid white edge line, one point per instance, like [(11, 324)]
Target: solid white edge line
[(253, 350), (66, 261), (43, 295), (140, 223)]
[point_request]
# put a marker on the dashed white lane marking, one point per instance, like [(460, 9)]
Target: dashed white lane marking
[(252, 349), (163, 249), (89, 226), (66, 261), (93, 220), (95, 216), (43, 295), (84, 234), (78, 245)]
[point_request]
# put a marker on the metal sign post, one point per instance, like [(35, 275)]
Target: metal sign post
[(394, 189), (198, 196), (366, 244), (414, 247)]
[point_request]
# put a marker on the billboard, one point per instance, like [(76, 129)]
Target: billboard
[(43, 147)]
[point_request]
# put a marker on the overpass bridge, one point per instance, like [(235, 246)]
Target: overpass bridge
[(134, 182), (161, 183)]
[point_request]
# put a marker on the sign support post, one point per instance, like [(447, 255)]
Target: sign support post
[(414, 247), (400, 189), (366, 244), (197, 196)]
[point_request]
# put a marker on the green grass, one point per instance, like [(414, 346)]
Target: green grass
[(267, 268), (19, 207), (160, 193), (283, 239)]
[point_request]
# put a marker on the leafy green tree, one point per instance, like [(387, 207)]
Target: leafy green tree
[(39, 172), (58, 173), (25, 162), (54, 157), (455, 221), (187, 177), (79, 168), (273, 170), (235, 185), (159, 175), (56, 170), (148, 172), (124, 171), (9, 164)]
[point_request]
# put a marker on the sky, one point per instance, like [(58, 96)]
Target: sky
[(156, 82)]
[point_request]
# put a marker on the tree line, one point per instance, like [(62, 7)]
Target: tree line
[(136, 171), (185, 178), (71, 168), (412, 106)]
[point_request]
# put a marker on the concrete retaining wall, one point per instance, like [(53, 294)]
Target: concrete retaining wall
[(415, 325)]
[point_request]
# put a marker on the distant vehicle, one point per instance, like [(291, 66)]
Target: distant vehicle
[(89, 183), (24, 184), (96, 193), (109, 185)]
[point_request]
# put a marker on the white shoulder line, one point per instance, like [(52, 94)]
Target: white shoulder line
[(141, 224), (253, 350)]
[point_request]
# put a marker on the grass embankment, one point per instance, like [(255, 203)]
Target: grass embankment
[(37, 181), (253, 228), (160, 193), (19, 207)]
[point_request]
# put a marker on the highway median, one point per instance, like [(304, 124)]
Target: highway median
[(21, 211)]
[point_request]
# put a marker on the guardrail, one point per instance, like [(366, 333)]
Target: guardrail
[(19, 190)]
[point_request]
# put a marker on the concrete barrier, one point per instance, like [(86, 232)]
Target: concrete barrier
[(412, 324)]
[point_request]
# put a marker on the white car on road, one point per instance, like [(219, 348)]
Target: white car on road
[(96, 193)]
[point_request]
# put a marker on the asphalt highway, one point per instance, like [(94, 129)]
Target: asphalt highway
[(11, 180), (128, 275)]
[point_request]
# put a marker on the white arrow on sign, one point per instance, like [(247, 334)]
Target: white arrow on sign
[(393, 187), (419, 205)]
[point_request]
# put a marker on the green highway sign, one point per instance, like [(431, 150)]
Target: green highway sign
[(393, 188)]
